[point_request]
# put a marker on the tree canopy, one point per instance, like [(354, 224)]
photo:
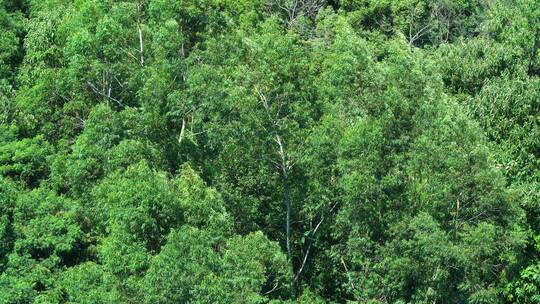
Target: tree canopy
[(269, 151)]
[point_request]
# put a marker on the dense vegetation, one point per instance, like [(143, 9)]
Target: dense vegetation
[(269, 151)]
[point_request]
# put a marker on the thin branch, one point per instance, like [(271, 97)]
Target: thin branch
[(303, 263), (348, 274), (310, 243), (273, 289), (95, 90), (141, 48), (181, 136), (419, 34), (131, 55)]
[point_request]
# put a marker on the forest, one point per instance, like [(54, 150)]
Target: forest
[(269, 151)]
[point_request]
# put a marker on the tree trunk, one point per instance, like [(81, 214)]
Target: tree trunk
[(284, 166)]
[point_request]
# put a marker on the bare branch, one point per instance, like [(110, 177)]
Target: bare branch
[(303, 264), (348, 274), (95, 90), (181, 136), (141, 48), (297, 8), (273, 289)]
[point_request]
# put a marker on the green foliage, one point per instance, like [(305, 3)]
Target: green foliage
[(525, 287), (11, 34), (200, 267), (46, 226), (8, 196), (408, 157), (46, 234), (422, 22), (24, 160), (89, 283), (140, 202), (507, 109), (296, 151)]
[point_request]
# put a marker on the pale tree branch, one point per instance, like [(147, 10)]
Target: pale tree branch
[(106, 95), (139, 30), (181, 136), (348, 273), (273, 289), (296, 8), (314, 231)]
